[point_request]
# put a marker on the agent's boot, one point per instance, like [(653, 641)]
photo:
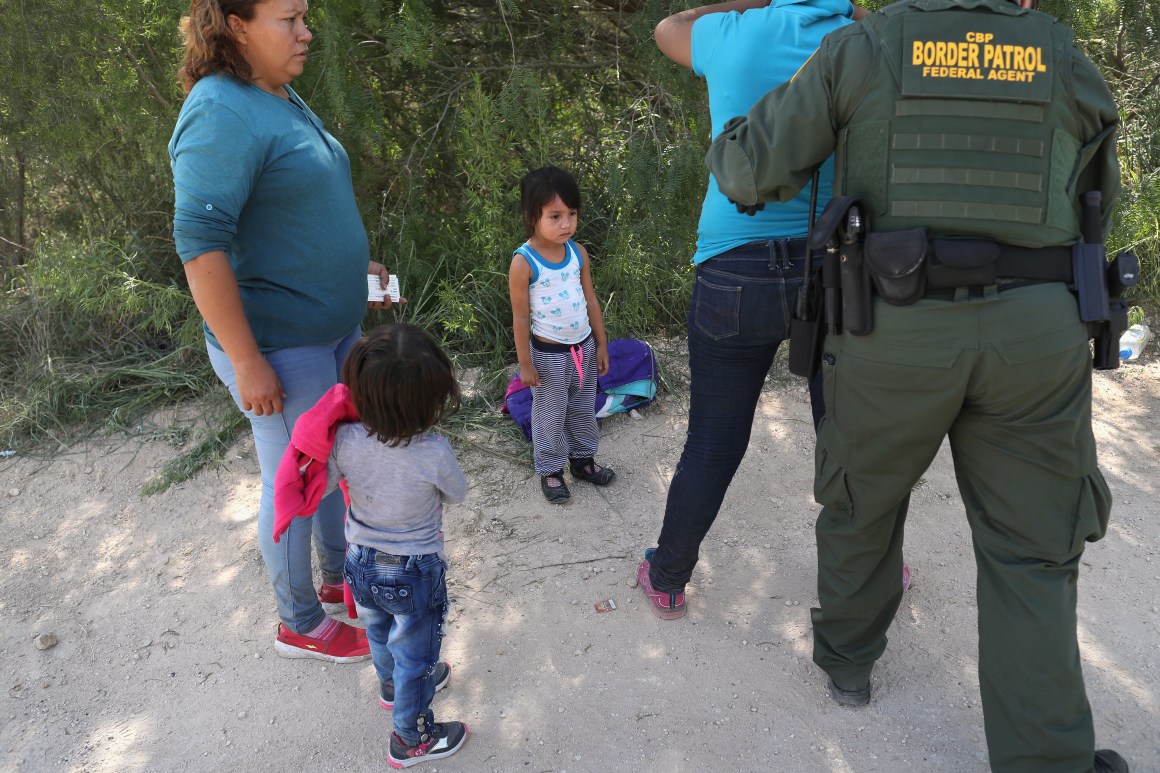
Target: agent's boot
[(1108, 761)]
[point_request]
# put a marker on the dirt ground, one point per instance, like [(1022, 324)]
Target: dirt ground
[(137, 631)]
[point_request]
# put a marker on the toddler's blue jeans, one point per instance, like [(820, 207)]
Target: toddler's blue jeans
[(402, 600)]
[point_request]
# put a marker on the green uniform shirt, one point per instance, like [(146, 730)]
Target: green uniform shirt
[(967, 117)]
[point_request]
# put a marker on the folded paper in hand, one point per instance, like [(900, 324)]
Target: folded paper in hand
[(376, 293)]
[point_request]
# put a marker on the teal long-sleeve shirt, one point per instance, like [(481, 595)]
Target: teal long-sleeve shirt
[(261, 179)]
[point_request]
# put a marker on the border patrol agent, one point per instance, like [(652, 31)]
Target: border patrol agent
[(967, 129)]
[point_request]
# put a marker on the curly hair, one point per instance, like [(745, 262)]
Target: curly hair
[(209, 43), (401, 382)]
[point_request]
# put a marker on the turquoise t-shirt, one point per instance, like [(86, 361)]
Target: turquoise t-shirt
[(742, 56), (260, 178)]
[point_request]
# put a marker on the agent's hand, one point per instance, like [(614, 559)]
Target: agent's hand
[(601, 359), (748, 209), (259, 389), (529, 376)]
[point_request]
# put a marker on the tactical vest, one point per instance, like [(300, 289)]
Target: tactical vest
[(971, 134)]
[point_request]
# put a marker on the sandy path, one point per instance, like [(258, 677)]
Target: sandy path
[(164, 619)]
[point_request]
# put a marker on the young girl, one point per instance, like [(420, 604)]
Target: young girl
[(559, 333), (398, 475)]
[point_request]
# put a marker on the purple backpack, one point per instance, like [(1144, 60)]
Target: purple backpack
[(631, 382)]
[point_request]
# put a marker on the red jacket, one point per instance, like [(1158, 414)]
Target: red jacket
[(301, 477)]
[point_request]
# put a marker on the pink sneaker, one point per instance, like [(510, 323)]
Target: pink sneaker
[(667, 606), (347, 644)]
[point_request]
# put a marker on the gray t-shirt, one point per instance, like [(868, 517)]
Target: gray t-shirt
[(396, 494)]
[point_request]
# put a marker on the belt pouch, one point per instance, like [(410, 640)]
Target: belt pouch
[(897, 262), (962, 263), (857, 308)]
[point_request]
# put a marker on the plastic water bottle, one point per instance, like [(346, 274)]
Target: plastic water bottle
[(1133, 341)]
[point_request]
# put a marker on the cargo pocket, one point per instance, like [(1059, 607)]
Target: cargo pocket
[(830, 488), (1092, 511), (394, 599)]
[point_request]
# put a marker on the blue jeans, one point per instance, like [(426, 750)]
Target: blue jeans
[(739, 315), (306, 373), (402, 600)]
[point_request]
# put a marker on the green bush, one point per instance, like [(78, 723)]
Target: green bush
[(443, 106)]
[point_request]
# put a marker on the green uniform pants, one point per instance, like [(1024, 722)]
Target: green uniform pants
[(1007, 376)]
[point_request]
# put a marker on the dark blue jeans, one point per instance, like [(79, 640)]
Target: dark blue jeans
[(738, 317), (402, 600)]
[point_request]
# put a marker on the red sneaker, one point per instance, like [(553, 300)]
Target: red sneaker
[(346, 645), (330, 596)]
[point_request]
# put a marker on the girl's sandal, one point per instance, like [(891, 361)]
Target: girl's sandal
[(558, 493), (587, 469)]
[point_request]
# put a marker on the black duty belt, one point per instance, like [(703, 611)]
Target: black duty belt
[(949, 259)]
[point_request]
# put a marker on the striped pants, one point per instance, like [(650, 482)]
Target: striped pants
[(564, 404)]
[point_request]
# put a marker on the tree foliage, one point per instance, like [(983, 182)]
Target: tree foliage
[(443, 105)]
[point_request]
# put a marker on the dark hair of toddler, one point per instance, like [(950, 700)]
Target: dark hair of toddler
[(537, 190), (401, 382)]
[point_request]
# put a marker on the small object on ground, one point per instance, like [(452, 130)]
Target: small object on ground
[(905, 578), (605, 606), (1133, 341), (46, 641)]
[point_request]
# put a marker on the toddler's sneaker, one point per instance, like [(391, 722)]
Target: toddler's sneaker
[(667, 606), (387, 689), (345, 644), (442, 740), (330, 596)]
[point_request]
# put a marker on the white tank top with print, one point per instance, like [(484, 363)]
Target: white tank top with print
[(556, 297)]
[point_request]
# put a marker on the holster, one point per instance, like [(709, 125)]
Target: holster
[(807, 326), (1099, 286), (857, 299), (1123, 272)]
